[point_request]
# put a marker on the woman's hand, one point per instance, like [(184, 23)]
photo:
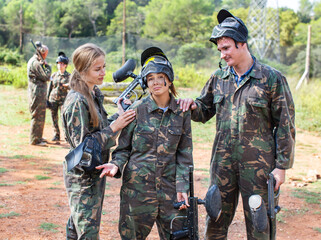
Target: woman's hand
[(182, 196), (123, 120), (109, 170), (120, 108)]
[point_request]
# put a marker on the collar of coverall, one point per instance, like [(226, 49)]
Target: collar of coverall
[(255, 73), (152, 106)]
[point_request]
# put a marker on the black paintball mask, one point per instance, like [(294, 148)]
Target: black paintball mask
[(229, 26), (62, 58), (154, 60)]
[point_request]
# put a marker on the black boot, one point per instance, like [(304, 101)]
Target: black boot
[(56, 138)]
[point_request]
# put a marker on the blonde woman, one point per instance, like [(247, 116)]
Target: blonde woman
[(84, 115)]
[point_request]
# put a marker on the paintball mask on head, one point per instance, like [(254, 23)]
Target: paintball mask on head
[(229, 26), (62, 58), (154, 60), (40, 47)]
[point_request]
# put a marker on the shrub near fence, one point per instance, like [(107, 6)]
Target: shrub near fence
[(14, 75)]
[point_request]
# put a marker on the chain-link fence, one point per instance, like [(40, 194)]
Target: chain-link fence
[(179, 55)]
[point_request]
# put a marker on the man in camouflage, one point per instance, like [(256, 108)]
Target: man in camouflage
[(57, 91), (38, 74), (255, 132)]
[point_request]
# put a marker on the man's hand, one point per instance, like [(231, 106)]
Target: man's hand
[(186, 103), (109, 170), (279, 176), (182, 196)]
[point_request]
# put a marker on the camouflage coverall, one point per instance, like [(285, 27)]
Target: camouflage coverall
[(85, 190), (56, 96), (38, 76), (255, 133), (157, 148)]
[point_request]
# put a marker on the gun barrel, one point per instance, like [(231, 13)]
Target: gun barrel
[(191, 181), (36, 49), (125, 71)]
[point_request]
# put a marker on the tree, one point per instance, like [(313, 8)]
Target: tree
[(317, 10), (134, 19), (95, 9), (288, 22), (232, 4), (182, 20), (305, 11), (75, 19), (12, 23), (44, 17)]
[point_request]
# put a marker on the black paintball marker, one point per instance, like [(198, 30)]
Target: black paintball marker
[(123, 73), (212, 204), (37, 46), (261, 216)]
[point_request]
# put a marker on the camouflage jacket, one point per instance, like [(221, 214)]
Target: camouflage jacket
[(257, 116), (76, 121), (38, 72), (56, 91), (157, 147)]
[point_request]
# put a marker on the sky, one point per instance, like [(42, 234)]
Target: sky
[(294, 4)]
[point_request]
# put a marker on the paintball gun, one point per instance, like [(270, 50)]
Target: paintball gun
[(261, 216), (37, 46), (212, 204), (123, 73)]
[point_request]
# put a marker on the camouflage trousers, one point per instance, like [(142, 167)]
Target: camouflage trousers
[(235, 175), (54, 108), (139, 211), (37, 107), (86, 195)]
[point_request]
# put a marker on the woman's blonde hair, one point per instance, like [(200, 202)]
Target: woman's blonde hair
[(83, 57)]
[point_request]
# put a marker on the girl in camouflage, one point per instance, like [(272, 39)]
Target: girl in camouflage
[(154, 155), (57, 91), (83, 114)]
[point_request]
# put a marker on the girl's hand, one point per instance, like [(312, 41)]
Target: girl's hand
[(109, 170), (182, 196), (123, 120)]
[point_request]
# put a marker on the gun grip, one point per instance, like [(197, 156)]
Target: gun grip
[(177, 205), (124, 105)]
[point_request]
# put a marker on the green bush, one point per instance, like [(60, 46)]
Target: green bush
[(9, 57), (14, 75), (191, 53), (189, 77)]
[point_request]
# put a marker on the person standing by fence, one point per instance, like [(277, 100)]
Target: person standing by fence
[(57, 91), (39, 73)]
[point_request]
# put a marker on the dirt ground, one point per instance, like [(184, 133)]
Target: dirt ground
[(34, 201)]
